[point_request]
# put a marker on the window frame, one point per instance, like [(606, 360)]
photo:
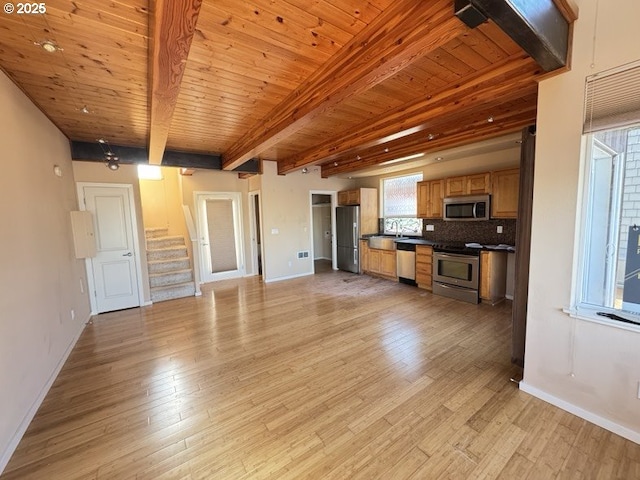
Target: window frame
[(578, 307), (382, 203)]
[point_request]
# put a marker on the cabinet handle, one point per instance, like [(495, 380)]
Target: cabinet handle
[(128, 254)]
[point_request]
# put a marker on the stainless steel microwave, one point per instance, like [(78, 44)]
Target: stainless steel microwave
[(466, 208)]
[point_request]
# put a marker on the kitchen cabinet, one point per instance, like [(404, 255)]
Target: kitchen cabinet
[(381, 262), (476, 184), (504, 193), (430, 198), (424, 266), (493, 276), (367, 199)]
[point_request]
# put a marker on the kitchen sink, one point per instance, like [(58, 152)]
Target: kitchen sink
[(383, 242)]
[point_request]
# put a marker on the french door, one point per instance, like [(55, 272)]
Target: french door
[(220, 235)]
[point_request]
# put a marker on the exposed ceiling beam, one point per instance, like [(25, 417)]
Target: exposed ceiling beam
[(172, 26), (540, 27), (402, 34), (453, 135), (93, 151), (512, 75)]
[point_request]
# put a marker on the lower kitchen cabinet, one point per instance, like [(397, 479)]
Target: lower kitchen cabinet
[(380, 262), (493, 276), (424, 266)]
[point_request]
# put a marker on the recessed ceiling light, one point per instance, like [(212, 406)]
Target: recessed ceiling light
[(386, 150)]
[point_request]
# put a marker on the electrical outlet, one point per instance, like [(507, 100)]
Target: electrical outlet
[(81, 286), (499, 229), (430, 228), (275, 231), (639, 390), (290, 264), (73, 314)]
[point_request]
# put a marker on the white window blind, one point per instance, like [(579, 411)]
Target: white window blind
[(400, 196), (612, 99)]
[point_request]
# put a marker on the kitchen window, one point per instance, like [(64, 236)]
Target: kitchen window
[(609, 246), (399, 204)]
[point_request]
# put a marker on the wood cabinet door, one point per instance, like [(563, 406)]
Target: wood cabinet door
[(505, 186), (479, 184), (388, 263), (485, 275), (343, 198), (456, 186), (374, 261), (436, 189), (424, 196), (353, 197)]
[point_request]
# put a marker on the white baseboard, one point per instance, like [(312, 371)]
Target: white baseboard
[(22, 428), (290, 277), (582, 413), (147, 304)]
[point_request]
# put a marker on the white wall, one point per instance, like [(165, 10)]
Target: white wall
[(40, 277), (587, 368), (286, 208)]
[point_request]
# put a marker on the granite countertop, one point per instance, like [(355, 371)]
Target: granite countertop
[(422, 241)]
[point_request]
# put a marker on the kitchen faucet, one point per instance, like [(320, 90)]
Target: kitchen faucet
[(397, 227)]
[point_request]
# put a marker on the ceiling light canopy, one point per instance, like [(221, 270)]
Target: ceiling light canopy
[(49, 46)]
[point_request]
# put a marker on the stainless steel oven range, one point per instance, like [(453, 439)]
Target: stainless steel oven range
[(456, 273)]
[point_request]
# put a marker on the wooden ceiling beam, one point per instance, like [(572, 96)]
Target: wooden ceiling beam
[(511, 75), (453, 135), (402, 34), (172, 27)]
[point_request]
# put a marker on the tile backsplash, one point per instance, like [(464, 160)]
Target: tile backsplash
[(484, 232)]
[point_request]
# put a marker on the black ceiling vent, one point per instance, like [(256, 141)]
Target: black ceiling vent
[(470, 15)]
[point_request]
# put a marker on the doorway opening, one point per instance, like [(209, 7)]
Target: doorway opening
[(256, 232), (323, 226)]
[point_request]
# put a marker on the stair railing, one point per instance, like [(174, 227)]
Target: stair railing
[(193, 236)]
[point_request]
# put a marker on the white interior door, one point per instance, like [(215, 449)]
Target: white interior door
[(114, 266), (220, 231)]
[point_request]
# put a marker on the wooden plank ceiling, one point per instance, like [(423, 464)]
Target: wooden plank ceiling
[(344, 84)]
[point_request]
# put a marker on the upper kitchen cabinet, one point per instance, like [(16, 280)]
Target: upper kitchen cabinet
[(349, 197), (468, 185), (504, 190), (367, 199), (430, 198)]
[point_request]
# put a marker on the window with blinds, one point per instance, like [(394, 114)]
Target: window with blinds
[(609, 250)]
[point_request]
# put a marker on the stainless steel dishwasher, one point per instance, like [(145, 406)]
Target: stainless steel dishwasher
[(406, 262)]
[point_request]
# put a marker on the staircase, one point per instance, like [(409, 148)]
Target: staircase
[(170, 273)]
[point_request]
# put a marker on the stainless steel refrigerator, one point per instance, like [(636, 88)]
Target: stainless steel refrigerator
[(347, 234)]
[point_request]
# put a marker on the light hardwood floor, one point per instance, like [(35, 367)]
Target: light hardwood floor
[(331, 376)]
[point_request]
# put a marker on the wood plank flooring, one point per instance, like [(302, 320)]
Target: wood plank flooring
[(331, 376)]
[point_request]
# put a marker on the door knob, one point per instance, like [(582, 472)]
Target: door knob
[(128, 254)]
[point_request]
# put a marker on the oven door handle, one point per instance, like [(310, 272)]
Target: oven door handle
[(454, 255)]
